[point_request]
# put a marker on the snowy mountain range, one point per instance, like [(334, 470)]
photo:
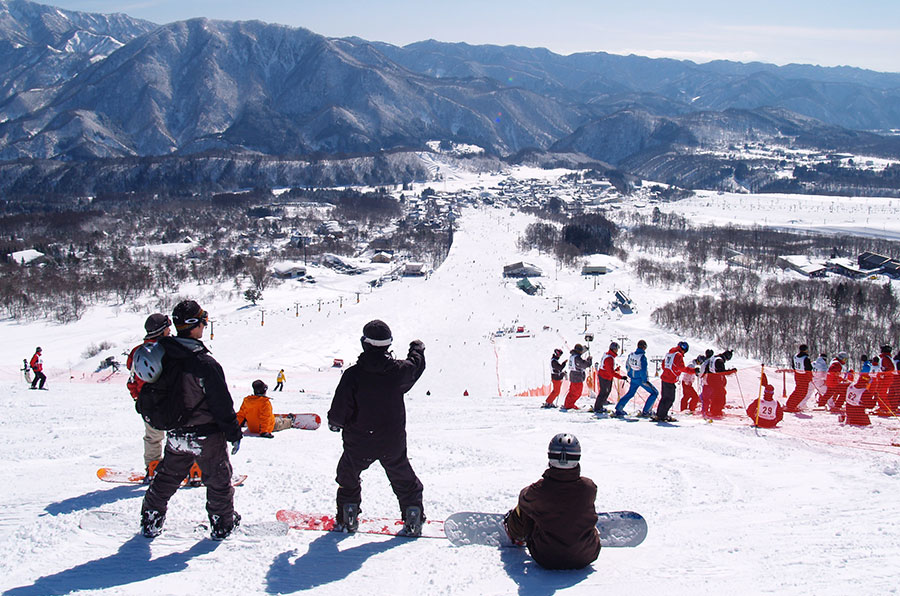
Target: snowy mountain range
[(76, 86)]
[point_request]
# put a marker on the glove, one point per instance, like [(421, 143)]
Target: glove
[(267, 435), (417, 345), (335, 428), (235, 447)]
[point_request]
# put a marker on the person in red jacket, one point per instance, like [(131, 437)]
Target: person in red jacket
[(555, 517), (37, 365), (859, 397), (884, 387), (156, 326), (690, 399), (836, 383), (766, 412), (557, 376), (673, 366), (607, 372)]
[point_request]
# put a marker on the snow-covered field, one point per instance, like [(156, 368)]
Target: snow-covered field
[(730, 509)]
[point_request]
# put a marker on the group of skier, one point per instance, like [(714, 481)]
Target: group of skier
[(839, 388), (710, 367), (846, 391)]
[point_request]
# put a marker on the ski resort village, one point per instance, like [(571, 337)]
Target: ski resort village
[(802, 507)]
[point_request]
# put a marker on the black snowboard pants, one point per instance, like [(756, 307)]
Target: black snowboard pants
[(38, 377), (666, 399), (604, 386), (211, 454), (404, 482)]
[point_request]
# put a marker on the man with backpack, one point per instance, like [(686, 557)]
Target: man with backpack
[(189, 398)]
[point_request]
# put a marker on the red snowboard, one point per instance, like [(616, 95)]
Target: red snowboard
[(134, 477), (377, 525)]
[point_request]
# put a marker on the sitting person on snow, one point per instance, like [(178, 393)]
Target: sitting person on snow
[(256, 412), (555, 516), (766, 412), (860, 397)]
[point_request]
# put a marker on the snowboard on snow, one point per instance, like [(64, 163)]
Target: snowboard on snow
[(377, 525), (133, 477), (118, 523), (306, 421), (616, 528)]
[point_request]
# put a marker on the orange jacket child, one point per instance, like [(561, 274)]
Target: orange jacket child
[(256, 411)]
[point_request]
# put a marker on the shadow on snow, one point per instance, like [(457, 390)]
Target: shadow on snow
[(130, 564), (322, 564), (95, 499), (534, 580)]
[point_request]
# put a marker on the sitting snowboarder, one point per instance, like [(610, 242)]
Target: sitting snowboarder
[(256, 412), (555, 516)]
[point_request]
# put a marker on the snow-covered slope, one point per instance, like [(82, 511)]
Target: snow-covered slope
[(729, 509)]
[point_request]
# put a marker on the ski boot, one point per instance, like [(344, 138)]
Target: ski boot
[(412, 521), (513, 539), (219, 529), (548, 405), (348, 518), (195, 476), (152, 522), (643, 414), (150, 474)]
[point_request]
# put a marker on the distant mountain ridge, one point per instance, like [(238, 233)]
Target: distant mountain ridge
[(79, 86)]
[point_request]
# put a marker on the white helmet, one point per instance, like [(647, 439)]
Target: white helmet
[(147, 363), (564, 451)]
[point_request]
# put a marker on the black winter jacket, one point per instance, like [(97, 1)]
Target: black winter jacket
[(557, 369), (203, 387), (368, 402)]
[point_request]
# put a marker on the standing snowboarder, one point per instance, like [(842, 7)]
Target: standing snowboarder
[(368, 407), (37, 365), (557, 376), (803, 368), (640, 379), (198, 381), (279, 381), (156, 326), (578, 365), (607, 373), (555, 516), (673, 367)]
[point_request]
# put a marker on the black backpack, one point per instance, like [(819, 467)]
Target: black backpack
[(161, 403)]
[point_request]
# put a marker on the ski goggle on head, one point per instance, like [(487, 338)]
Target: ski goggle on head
[(202, 318)]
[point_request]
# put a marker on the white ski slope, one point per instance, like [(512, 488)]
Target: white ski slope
[(730, 510)]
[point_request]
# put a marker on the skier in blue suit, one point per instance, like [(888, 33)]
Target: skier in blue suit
[(640, 378)]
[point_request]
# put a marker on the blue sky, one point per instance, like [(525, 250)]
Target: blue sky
[(861, 33)]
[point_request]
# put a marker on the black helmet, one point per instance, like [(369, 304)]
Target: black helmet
[(376, 334), (187, 314), (578, 349), (557, 353), (259, 388), (564, 451), (709, 354), (642, 345), (614, 347), (727, 354)]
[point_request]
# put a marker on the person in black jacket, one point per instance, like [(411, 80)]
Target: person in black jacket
[(209, 422), (555, 516), (368, 407)]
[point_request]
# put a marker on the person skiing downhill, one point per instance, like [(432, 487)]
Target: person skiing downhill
[(210, 423), (368, 407), (578, 365), (673, 367), (637, 372), (37, 365), (557, 376), (555, 517), (605, 375)]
